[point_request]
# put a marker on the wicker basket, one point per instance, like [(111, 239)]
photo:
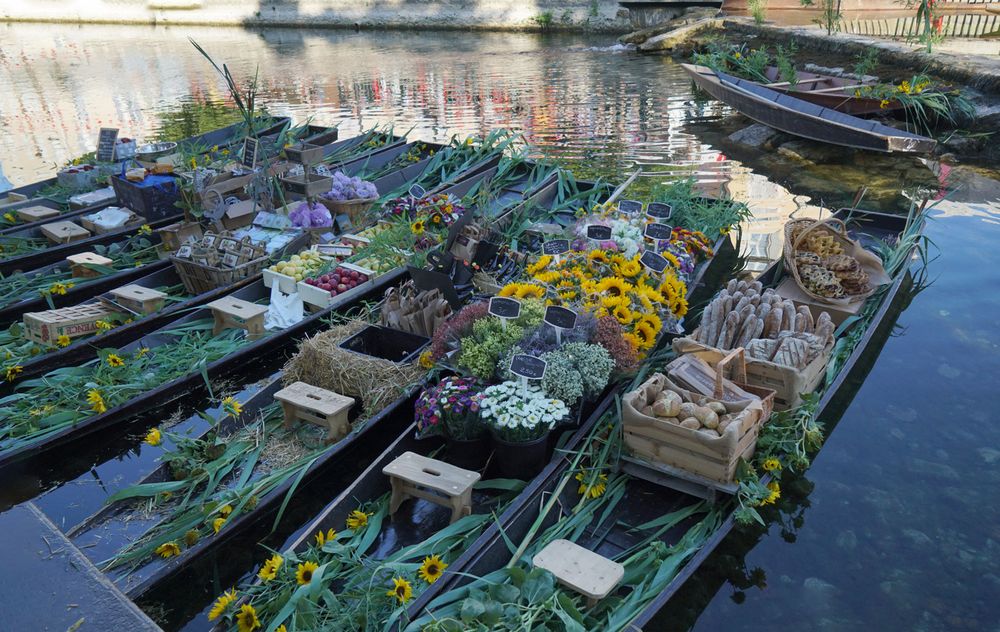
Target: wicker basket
[(200, 278), (354, 209)]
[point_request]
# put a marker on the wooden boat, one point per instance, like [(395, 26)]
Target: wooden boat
[(835, 93), (802, 118), (642, 500)]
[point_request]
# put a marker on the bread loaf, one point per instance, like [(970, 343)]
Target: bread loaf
[(772, 322), (792, 352), (761, 348), (807, 316), (787, 316), (728, 334), (756, 326), (825, 328)]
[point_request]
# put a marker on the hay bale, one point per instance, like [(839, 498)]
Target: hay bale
[(372, 381)]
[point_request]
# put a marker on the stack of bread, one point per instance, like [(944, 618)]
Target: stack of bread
[(768, 327), (706, 416), (824, 268)]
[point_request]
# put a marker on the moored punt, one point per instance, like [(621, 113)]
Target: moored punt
[(801, 118), (836, 93)]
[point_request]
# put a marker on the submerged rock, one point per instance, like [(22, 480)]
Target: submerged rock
[(757, 135), (935, 470), (917, 537)]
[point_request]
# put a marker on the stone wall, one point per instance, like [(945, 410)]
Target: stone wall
[(592, 15)]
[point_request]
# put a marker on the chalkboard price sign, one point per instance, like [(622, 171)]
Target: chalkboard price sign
[(598, 232), (653, 261), (630, 206), (106, 144), (560, 317), (528, 367), (417, 191), (658, 211), (249, 156), (658, 231), (504, 307), (555, 247)]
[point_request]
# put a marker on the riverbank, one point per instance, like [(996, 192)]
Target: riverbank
[(499, 15)]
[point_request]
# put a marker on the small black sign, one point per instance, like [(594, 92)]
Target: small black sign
[(555, 247), (629, 206), (106, 144), (504, 307), (598, 232), (527, 366), (658, 231), (560, 317), (417, 191), (659, 211), (653, 261), (249, 156)]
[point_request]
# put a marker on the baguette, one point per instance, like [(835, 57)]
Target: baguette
[(751, 330), (757, 287), (825, 328), (763, 309), (772, 323), (787, 316), (742, 286), (809, 326), (731, 286), (729, 332)]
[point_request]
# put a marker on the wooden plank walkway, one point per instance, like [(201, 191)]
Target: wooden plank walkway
[(49, 584)]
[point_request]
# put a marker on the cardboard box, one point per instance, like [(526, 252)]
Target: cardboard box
[(80, 320)]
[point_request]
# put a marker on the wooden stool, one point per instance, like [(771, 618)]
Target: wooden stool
[(416, 476), (78, 264), (236, 313), (305, 402), (586, 572), (35, 213), (141, 300), (64, 232)]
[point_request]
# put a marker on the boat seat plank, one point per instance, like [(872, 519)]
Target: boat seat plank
[(592, 575)]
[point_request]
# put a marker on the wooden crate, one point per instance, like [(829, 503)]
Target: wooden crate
[(79, 320), (200, 278), (174, 235), (787, 382)]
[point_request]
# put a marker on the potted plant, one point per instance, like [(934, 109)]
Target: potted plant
[(520, 418), (451, 409)]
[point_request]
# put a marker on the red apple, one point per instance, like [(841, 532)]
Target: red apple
[(310, 282), (341, 288), (335, 279), (326, 286), (362, 277), (333, 292)]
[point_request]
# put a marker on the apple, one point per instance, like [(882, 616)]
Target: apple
[(325, 278), (354, 274), (326, 286), (362, 277), (309, 282), (335, 279), (341, 287), (333, 292)]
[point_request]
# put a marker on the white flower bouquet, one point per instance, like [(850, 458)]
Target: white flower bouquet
[(519, 414)]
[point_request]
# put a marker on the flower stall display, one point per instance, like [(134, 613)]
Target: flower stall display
[(348, 195), (310, 215), (520, 416), (451, 409)]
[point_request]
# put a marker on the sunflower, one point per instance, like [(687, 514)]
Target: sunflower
[(509, 290), (538, 266), (220, 605), (217, 524), (672, 258), (94, 398), (629, 268), (63, 340), (775, 494), (168, 549), (304, 572), (14, 371), (427, 360), (614, 286), (567, 295), (231, 406), (270, 568), (417, 227), (646, 335), (432, 568), (548, 277), (632, 339), (103, 325), (225, 511), (322, 538), (772, 464), (401, 590), (623, 314), (611, 302), (153, 437), (357, 520), (530, 290), (597, 256), (246, 619), (592, 489), (653, 321)]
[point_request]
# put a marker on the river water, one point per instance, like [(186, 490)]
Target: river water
[(896, 525)]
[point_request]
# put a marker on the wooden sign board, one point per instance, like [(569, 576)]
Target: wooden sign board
[(555, 247), (658, 211), (629, 206), (597, 232), (653, 261), (560, 317), (249, 155), (417, 191), (503, 307), (658, 231), (106, 144), (528, 367)]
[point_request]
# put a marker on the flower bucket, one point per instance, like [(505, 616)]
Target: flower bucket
[(468, 454), (356, 210), (522, 460)]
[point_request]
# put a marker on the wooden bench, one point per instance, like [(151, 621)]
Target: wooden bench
[(416, 476), (236, 313), (593, 576), (139, 299), (35, 213), (78, 264), (304, 402), (64, 232)]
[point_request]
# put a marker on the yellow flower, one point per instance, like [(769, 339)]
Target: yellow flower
[(632, 339), (427, 360), (13, 371), (597, 256), (145, 229), (168, 549), (231, 406), (884, 104), (653, 321), (567, 295), (629, 268), (217, 524), (153, 437), (246, 619), (10, 217), (281, 628), (417, 227), (191, 538), (432, 569), (322, 538), (904, 87), (508, 290), (772, 464), (225, 511), (647, 337), (114, 360), (530, 290), (775, 494), (613, 286), (857, 93), (96, 401), (538, 266), (58, 288), (357, 520), (548, 277), (223, 602), (401, 590), (63, 340), (623, 314), (103, 325), (304, 572), (737, 55), (141, 352), (194, 163), (270, 568), (593, 489)]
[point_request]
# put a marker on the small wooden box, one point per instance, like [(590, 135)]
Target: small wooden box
[(78, 264), (142, 300), (80, 320), (64, 232), (174, 235), (35, 213), (235, 313)]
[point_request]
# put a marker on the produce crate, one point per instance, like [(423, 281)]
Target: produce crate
[(386, 343), (787, 382), (688, 454), (286, 284), (154, 198), (79, 320), (200, 278), (318, 298), (174, 235)]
